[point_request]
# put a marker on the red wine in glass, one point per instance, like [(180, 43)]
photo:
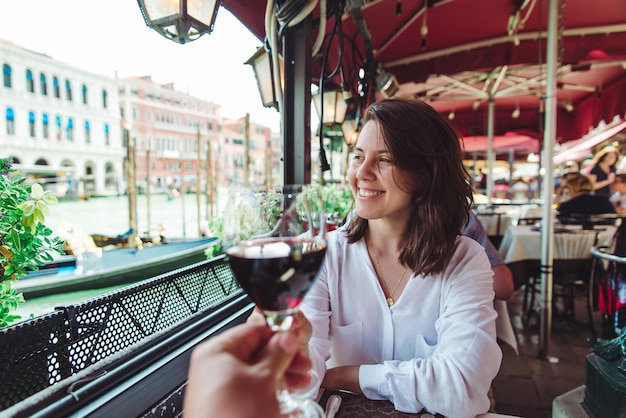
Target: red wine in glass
[(277, 272)]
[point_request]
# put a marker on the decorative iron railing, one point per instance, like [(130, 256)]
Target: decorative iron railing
[(46, 361)]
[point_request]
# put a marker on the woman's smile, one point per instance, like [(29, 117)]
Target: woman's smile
[(368, 193)]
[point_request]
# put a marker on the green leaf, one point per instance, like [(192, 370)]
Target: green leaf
[(36, 191), (41, 205), (27, 207), (50, 198)]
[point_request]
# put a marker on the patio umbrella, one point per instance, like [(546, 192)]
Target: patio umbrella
[(429, 48)]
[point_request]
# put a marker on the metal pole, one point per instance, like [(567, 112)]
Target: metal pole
[(296, 112), (547, 222), (182, 189), (490, 150), (148, 189), (511, 163), (209, 180), (246, 142), (198, 182), (132, 191)]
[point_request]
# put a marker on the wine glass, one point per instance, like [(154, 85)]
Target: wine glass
[(275, 249)]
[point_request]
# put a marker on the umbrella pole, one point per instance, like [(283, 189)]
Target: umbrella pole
[(490, 150), (547, 223)]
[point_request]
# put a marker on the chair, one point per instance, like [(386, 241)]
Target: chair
[(598, 290), (569, 274)]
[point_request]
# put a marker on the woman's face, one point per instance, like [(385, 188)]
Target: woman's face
[(610, 158), (371, 177)]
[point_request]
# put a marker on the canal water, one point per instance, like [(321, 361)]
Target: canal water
[(109, 216)]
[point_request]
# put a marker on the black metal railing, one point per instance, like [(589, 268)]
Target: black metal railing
[(99, 343)]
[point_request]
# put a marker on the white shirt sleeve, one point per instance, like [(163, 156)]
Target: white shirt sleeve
[(434, 349)]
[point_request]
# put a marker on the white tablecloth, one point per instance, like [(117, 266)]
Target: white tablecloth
[(521, 242), (490, 223)]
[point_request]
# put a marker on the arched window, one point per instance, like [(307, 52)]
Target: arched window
[(84, 94), (6, 75), (10, 117), (68, 90), (31, 124), (30, 83), (45, 125), (57, 87), (43, 84), (104, 99), (87, 132)]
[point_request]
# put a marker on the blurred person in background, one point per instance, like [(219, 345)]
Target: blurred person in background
[(582, 201), (602, 173)]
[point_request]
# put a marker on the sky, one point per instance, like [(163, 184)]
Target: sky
[(110, 37)]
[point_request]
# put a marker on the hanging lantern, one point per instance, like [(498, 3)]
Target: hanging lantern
[(180, 21)]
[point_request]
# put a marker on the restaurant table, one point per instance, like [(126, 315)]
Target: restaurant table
[(495, 223), (521, 250), (523, 242), (358, 406)]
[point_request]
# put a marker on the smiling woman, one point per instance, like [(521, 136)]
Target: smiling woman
[(398, 258)]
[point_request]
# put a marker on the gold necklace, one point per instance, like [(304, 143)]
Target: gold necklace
[(381, 279)]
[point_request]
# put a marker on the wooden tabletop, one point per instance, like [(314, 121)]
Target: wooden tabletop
[(358, 406)]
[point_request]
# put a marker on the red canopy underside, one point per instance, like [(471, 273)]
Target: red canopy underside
[(501, 143), (466, 35)]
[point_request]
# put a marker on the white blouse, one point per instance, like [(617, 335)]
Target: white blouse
[(434, 349)]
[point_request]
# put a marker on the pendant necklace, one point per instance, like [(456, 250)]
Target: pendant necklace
[(381, 279)]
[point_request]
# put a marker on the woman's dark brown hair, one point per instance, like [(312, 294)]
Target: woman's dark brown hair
[(426, 147)]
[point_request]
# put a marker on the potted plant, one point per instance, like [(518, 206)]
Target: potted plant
[(25, 242)]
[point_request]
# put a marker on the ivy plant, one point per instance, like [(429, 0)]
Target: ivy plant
[(25, 242)]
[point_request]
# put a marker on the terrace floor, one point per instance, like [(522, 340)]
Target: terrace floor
[(527, 385)]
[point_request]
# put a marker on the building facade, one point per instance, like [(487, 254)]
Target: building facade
[(60, 124), (73, 131), (174, 134), (250, 154)]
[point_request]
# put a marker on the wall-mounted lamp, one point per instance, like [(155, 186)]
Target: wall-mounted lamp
[(262, 66), (334, 106), (331, 109), (451, 115), (476, 105), (351, 127), (387, 84), (180, 21)]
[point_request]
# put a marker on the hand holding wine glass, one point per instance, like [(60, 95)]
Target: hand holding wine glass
[(277, 265)]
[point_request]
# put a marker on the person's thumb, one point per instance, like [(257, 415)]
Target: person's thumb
[(279, 352)]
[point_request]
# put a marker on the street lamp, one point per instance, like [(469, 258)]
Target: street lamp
[(263, 68), (180, 20)]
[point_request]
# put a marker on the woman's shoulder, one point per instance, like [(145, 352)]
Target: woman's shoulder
[(467, 247)]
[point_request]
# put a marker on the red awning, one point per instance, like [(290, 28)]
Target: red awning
[(581, 148), (508, 141)]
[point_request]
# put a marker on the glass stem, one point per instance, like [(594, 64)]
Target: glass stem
[(279, 320)]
